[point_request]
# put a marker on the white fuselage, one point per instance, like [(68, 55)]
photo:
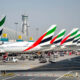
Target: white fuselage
[(18, 47)]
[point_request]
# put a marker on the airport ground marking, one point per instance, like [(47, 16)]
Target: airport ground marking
[(9, 77), (33, 78), (63, 75)]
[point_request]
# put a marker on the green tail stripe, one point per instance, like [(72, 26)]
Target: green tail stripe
[(51, 31), (61, 34), (77, 36), (2, 21), (74, 33)]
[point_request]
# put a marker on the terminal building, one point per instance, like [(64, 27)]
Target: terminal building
[(13, 35)]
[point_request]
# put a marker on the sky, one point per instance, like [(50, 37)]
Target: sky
[(41, 14)]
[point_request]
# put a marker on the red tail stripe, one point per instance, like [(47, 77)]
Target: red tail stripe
[(53, 40), (36, 43), (64, 40)]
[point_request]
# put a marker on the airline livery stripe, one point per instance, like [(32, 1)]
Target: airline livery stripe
[(64, 39), (1, 31), (61, 34), (69, 40), (58, 41), (53, 40), (74, 33), (77, 36), (75, 40), (2, 21), (78, 42), (51, 31), (47, 39), (48, 36), (58, 36), (36, 43)]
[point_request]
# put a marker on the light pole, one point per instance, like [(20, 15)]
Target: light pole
[(16, 23)]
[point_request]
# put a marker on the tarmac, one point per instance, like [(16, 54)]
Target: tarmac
[(63, 75), (29, 64), (66, 68)]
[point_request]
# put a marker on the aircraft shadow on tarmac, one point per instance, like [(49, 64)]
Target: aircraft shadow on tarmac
[(68, 64), (64, 65)]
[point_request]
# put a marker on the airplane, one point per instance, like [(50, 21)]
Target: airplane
[(2, 21), (77, 37), (58, 43), (78, 45), (67, 42), (56, 40), (25, 47), (77, 41)]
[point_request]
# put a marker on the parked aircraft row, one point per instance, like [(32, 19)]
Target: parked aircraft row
[(45, 43)]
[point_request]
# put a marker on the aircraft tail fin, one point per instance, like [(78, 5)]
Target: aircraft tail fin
[(57, 39), (78, 42), (70, 37), (48, 37), (76, 38), (45, 38), (2, 21)]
